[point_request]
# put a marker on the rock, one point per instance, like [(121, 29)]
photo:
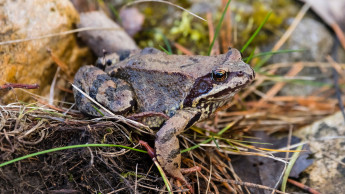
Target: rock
[(132, 20), (316, 39), (28, 62), (116, 40), (326, 140), (310, 35)]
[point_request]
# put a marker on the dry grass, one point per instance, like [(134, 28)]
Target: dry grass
[(28, 128)]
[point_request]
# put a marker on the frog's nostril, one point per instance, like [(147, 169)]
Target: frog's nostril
[(240, 73)]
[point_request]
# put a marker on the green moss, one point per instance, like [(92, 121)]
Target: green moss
[(182, 28), (248, 21)]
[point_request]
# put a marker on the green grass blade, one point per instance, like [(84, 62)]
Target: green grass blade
[(68, 147), (97, 110), (167, 43), (196, 146), (116, 13), (216, 34), (251, 56), (220, 133), (256, 31), (289, 167), (272, 53), (162, 48), (215, 142), (269, 54)]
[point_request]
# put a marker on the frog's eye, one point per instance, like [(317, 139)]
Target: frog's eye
[(219, 75)]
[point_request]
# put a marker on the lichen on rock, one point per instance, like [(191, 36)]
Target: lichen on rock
[(28, 62)]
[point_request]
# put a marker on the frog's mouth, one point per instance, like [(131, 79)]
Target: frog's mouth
[(229, 91)]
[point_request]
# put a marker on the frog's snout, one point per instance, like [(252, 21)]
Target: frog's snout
[(247, 71), (252, 76)]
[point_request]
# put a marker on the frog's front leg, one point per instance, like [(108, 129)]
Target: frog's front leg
[(112, 93), (167, 145)]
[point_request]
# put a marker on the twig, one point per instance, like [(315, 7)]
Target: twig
[(302, 186), (58, 34), (10, 86), (336, 71), (135, 124), (340, 34), (136, 179), (209, 179), (248, 185), (289, 31), (296, 68), (52, 87), (183, 49), (161, 1)]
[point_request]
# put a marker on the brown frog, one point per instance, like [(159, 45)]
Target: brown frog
[(186, 89)]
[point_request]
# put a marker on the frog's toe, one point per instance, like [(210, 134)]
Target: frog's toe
[(177, 174)]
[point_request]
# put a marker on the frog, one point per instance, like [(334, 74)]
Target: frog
[(170, 92)]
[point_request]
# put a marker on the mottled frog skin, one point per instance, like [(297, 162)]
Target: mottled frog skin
[(186, 89)]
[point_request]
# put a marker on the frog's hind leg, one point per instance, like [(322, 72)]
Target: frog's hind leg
[(114, 94), (167, 145)]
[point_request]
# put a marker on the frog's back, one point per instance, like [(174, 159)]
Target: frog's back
[(157, 91)]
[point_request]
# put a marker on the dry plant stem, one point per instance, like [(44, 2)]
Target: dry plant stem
[(136, 179), (340, 34), (191, 155), (336, 72), (183, 49), (304, 187), (221, 168), (161, 1), (292, 27), (237, 178), (52, 106), (59, 34), (249, 185), (286, 156), (296, 68), (338, 67), (304, 63), (134, 124), (209, 179), (161, 190), (215, 48), (215, 188), (64, 67), (276, 47), (52, 86), (225, 33), (10, 86), (226, 185)]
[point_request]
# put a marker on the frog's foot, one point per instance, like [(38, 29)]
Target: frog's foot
[(172, 171)]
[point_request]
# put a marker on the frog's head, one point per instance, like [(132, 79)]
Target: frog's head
[(217, 87)]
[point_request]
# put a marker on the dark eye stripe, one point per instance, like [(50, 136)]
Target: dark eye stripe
[(201, 86)]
